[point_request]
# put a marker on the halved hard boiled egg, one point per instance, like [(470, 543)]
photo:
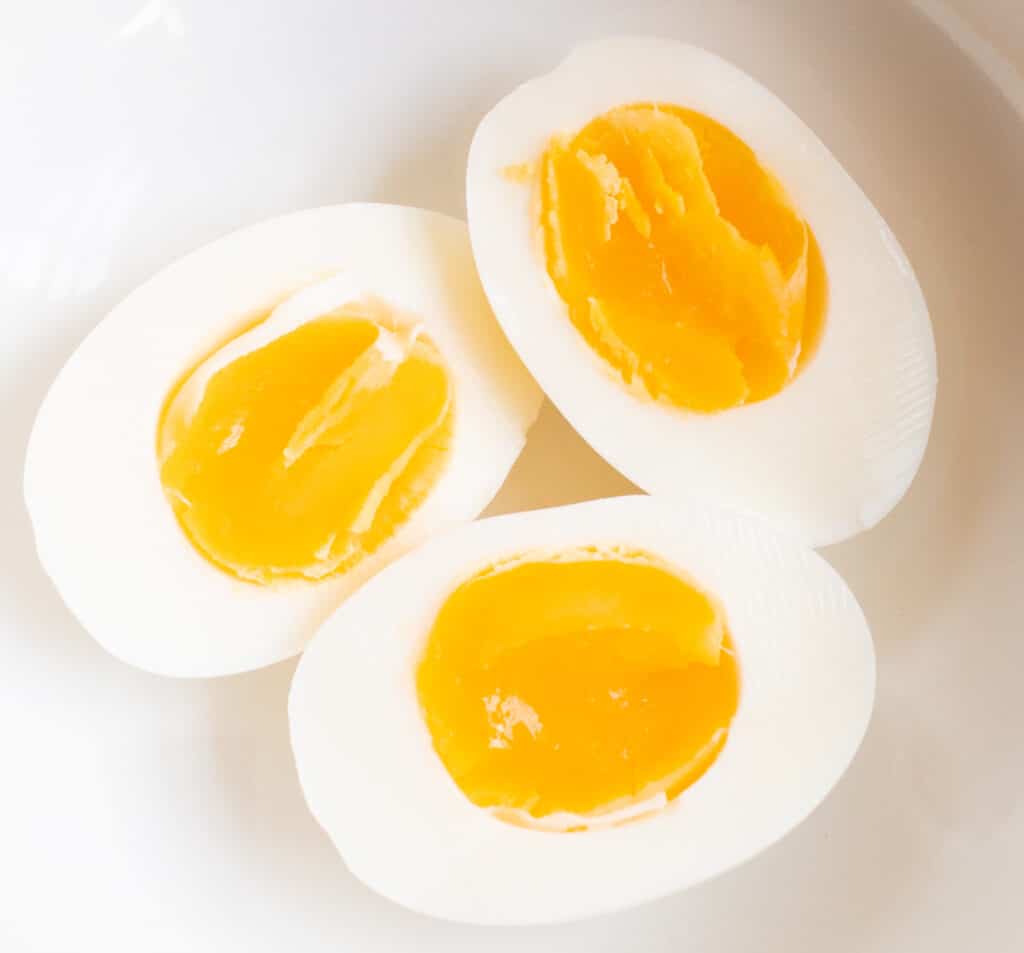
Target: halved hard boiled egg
[(701, 289), (259, 428), (549, 715)]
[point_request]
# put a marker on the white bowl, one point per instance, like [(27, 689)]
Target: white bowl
[(139, 814)]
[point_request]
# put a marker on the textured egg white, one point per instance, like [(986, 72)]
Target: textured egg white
[(104, 531), (374, 783), (832, 453)]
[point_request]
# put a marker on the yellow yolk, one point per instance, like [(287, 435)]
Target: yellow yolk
[(582, 683), (306, 453), (679, 257)]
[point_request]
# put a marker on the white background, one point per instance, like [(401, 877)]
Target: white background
[(154, 816)]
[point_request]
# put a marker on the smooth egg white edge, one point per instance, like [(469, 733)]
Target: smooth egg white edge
[(105, 533), (833, 452), (374, 783)]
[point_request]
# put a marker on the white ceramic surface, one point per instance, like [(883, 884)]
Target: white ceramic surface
[(155, 816)]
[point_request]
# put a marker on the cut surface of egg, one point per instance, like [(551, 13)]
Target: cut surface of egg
[(678, 256), (294, 451), (701, 289), (263, 425), (577, 684), (576, 710)]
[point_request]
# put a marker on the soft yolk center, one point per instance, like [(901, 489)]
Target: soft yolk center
[(305, 453), (583, 684), (679, 257)]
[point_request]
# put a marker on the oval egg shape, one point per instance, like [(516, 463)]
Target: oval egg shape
[(474, 803), (259, 428), (701, 289)]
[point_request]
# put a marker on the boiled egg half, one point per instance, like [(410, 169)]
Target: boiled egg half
[(259, 428), (555, 714), (701, 289)]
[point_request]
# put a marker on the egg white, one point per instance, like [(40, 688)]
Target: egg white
[(375, 784), (104, 531), (832, 453)]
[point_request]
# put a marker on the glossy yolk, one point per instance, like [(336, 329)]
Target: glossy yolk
[(305, 454), (679, 257), (579, 684)]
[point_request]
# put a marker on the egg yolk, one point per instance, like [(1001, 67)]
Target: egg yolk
[(303, 455), (583, 683), (679, 257)]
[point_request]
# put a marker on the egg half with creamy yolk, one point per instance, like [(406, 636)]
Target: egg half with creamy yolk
[(575, 710), (701, 289), (258, 429)]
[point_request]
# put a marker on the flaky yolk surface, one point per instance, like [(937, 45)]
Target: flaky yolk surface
[(305, 454), (578, 685), (679, 257)]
